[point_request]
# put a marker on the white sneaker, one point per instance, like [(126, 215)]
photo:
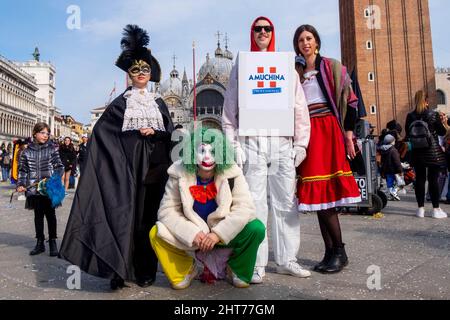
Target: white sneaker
[(420, 213), (293, 269), (439, 214), (258, 275), (394, 194), (187, 279), (234, 280)]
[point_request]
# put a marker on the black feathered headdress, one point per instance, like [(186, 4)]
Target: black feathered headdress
[(134, 48)]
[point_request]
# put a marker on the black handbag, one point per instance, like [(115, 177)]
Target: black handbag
[(357, 165)]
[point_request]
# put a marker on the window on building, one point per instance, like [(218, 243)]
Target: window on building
[(209, 98), (367, 13), (369, 45), (373, 109), (441, 99), (172, 115), (371, 76)]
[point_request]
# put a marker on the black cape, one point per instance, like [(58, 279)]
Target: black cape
[(99, 233)]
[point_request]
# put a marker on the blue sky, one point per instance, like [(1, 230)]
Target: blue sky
[(84, 58)]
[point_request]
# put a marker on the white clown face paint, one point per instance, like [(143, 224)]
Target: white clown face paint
[(205, 157)]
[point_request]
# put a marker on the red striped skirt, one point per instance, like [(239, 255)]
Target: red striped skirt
[(325, 178)]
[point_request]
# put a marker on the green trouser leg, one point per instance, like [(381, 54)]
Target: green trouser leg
[(245, 247)]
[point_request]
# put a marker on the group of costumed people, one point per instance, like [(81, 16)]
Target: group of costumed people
[(133, 207)]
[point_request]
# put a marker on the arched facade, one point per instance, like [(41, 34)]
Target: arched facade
[(443, 90), (210, 99), (212, 80), (441, 98)]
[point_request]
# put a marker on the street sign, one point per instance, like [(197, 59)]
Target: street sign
[(363, 187)]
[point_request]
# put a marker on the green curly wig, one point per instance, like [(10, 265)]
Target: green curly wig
[(222, 149)]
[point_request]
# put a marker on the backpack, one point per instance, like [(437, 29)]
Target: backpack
[(420, 135)]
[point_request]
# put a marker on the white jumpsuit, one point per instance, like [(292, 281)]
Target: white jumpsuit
[(270, 173)]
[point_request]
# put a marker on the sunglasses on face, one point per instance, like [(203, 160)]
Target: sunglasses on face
[(260, 28), (135, 71)]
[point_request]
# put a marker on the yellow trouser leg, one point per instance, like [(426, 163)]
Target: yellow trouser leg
[(176, 263)]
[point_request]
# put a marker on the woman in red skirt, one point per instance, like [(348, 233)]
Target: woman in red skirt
[(325, 178)]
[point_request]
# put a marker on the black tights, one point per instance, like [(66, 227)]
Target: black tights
[(330, 228), (43, 207), (433, 185)]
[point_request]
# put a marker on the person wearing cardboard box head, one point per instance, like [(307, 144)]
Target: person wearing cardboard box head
[(269, 166)]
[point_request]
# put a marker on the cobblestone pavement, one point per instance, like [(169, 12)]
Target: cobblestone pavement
[(411, 255)]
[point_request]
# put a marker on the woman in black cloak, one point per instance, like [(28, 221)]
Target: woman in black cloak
[(118, 196)]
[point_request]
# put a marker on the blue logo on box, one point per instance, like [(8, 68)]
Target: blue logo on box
[(264, 78)]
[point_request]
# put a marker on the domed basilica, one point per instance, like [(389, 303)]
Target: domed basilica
[(212, 81)]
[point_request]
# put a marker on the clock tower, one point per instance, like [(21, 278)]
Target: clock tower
[(388, 43)]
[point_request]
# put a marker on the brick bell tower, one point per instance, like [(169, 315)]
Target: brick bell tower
[(389, 43)]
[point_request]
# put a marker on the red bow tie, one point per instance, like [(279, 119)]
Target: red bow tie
[(203, 194)]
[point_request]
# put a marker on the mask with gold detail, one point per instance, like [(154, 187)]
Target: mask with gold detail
[(138, 68)]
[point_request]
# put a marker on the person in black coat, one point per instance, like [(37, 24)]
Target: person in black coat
[(124, 177), (37, 162), (69, 159), (431, 158), (82, 152)]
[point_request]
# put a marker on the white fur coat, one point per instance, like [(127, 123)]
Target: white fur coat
[(178, 223)]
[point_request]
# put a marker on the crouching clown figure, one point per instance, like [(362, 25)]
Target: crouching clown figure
[(207, 214)]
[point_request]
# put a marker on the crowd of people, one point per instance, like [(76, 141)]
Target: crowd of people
[(73, 157), (422, 155), (137, 205)]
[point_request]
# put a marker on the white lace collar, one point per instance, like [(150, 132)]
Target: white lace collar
[(142, 111)]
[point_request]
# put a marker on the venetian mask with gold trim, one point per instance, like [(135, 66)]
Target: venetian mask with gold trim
[(139, 67)]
